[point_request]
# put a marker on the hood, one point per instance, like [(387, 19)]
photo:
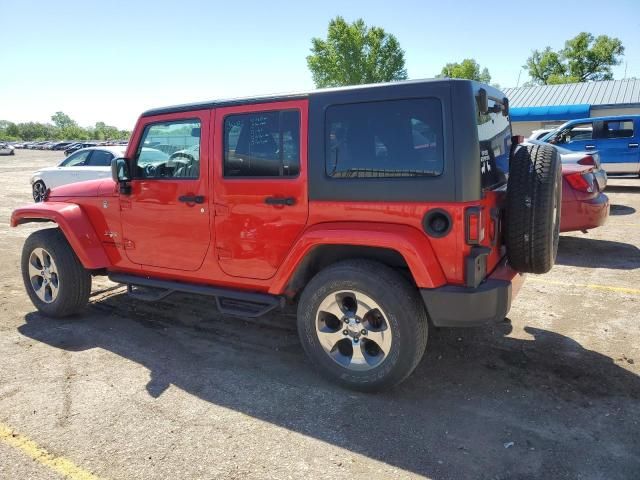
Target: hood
[(102, 187)]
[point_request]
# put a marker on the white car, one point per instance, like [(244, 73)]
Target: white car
[(86, 164), (6, 149)]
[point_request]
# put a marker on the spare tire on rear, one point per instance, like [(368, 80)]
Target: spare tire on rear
[(534, 199)]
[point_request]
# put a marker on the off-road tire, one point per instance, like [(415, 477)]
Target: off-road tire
[(74, 279), (401, 304), (534, 200)]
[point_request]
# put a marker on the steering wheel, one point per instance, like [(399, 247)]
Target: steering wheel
[(184, 157), (150, 170)]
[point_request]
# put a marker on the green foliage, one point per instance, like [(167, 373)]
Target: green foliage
[(354, 54), (468, 68), (584, 58), (63, 128)]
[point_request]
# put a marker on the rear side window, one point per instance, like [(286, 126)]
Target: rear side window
[(494, 135), (262, 144), (397, 138), (618, 129), (100, 158)]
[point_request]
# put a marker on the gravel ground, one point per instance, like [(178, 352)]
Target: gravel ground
[(175, 390)]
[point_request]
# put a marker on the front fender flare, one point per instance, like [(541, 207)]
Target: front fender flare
[(408, 241), (75, 226)]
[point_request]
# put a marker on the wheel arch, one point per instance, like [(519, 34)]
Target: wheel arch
[(73, 223), (401, 247)]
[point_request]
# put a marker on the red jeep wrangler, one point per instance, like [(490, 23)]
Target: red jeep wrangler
[(376, 209)]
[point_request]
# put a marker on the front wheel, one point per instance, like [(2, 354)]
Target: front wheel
[(56, 282), (39, 191), (362, 325)]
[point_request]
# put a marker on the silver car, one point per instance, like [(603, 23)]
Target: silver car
[(6, 149)]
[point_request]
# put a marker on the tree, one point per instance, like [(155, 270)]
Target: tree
[(584, 58), (354, 54), (468, 68), (62, 120)]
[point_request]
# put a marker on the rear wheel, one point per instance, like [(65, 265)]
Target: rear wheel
[(362, 325), (39, 191), (56, 282), (534, 199)]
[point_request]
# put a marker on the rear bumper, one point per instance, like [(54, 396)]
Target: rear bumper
[(584, 214), (454, 306)]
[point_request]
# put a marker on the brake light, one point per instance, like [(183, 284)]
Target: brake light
[(474, 227), (587, 160), (579, 181)]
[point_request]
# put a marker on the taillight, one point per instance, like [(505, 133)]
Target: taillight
[(581, 181), (587, 160), (474, 227)]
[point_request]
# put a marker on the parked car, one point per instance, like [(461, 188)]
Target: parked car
[(584, 205), (77, 146), (326, 200), (540, 133), (61, 145), (85, 164), (6, 149), (617, 139)]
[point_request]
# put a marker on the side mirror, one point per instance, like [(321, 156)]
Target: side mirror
[(121, 174)]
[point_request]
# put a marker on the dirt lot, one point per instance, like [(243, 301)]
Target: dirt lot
[(175, 390)]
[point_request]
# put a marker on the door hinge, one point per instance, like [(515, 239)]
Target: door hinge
[(223, 253), (125, 204), (128, 244)]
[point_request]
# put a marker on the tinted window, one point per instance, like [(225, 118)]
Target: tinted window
[(618, 129), (77, 159), (169, 150), (100, 158), (494, 135), (399, 138), (262, 144)]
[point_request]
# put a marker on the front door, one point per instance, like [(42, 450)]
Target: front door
[(165, 219), (261, 203)]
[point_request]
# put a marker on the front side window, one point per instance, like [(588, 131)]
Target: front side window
[(77, 159), (397, 138), (262, 144), (575, 133), (169, 150), (618, 129)]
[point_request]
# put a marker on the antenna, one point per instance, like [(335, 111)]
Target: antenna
[(518, 82), (625, 69)]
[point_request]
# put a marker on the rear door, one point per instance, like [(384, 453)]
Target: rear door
[(260, 185), (165, 218), (617, 143)]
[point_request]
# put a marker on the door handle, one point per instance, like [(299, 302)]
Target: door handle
[(289, 201), (633, 145), (191, 198), (589, 147)]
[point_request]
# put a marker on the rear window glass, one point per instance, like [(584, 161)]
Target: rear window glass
[(494, 135), (397, 138)]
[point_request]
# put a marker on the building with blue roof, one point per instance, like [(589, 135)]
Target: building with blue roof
[(548, 106)]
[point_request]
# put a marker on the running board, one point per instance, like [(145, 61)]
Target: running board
[(229, 302)]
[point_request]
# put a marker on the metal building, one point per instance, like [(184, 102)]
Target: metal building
[(548, 106)]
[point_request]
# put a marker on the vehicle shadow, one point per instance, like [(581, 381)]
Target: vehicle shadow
[(595, 253), (621, 210), (476, 391)]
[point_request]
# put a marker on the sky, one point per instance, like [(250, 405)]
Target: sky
[(111, 60)]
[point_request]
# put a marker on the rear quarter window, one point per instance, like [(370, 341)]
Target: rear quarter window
[(396, 138)]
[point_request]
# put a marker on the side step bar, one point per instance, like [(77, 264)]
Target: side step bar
[(229, 302)]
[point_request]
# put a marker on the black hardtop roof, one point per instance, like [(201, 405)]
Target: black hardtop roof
[(187, 107)]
